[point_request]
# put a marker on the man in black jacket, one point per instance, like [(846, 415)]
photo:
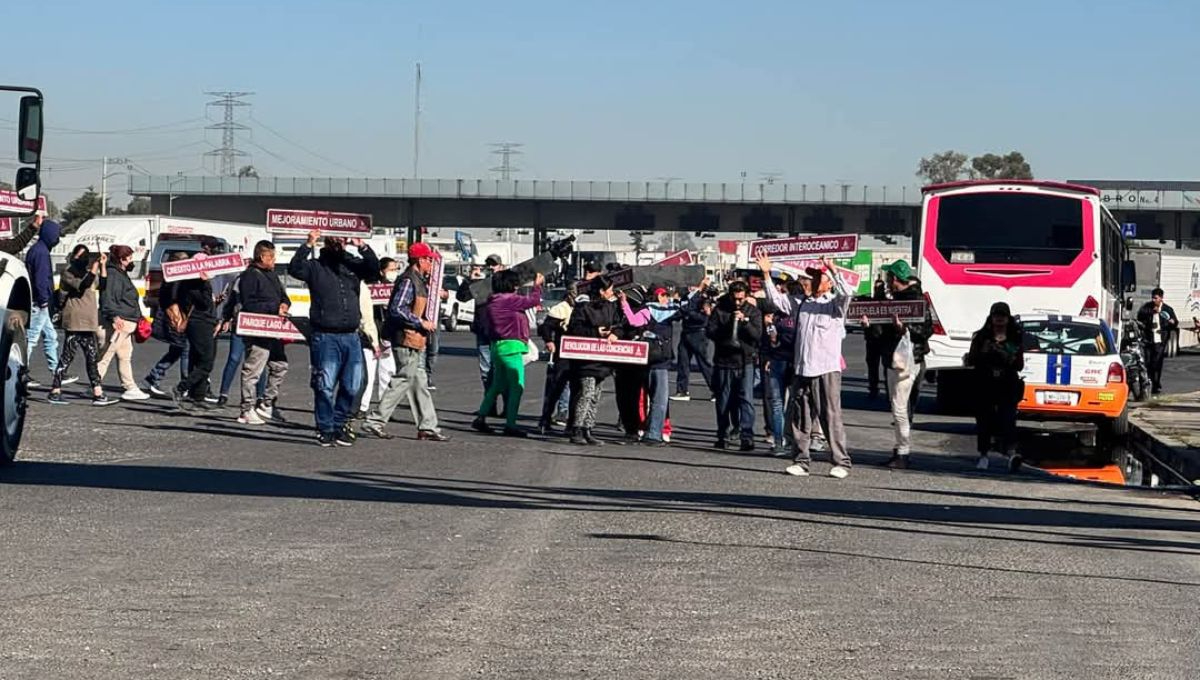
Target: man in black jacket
[(735, 327), (903, 386), (335, 351), (1158, 322), (261, 292), (693, 341)]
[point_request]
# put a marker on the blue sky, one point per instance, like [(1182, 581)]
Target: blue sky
[(821, 92)]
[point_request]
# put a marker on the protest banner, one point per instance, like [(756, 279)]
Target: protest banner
[(381, 293), (348, 225), (267, 326), (597, 349), (883, 311), (805, 247), (679, 258), (213, 265)]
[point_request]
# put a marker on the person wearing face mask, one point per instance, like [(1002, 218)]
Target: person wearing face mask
[(78, 285), (408, 330), (41, 279), (119, 314), (261, 292), (177, 344), (335, 351), (377, 350), (601, 317)]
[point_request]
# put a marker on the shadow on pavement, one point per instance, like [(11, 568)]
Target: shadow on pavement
[(965, 521), (656, 538)]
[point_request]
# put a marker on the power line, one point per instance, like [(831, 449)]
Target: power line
[(303, 148), (295, 164), (148, 129), (228, 153)]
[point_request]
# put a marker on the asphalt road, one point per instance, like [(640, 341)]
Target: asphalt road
[(141, 542)]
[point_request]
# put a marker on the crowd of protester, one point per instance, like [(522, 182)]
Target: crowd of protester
[(782, 342)]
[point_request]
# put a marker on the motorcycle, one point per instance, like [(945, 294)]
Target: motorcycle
[(1133, 354)]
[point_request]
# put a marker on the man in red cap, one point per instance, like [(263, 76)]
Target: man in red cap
[(408, 329)]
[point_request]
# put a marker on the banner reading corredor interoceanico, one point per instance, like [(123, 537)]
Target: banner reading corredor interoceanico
[(805, 247), (351, 225)]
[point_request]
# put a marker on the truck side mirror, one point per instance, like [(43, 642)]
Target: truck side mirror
[(1129, 276), (1129, 304), (29, 132)]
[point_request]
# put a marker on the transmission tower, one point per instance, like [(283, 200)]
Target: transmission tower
[(228, 153), (506, 150)]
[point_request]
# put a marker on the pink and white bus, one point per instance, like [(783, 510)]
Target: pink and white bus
[(1042, 247)]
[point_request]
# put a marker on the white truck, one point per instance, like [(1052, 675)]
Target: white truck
[(16, 301)]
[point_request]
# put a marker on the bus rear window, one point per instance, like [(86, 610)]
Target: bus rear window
[(1010, 228)]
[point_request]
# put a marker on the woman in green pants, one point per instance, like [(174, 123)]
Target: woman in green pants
[(508, 326)]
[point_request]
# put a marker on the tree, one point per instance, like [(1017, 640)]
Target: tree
[(639, 242), (947, 166), (247, 171), (1009, 166), (80, 210), (138, 205)]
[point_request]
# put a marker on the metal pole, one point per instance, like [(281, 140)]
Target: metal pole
[(104, 186), (417, 126)]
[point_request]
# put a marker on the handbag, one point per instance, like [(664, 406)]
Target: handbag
[(177, 319), (532, 353), (902, 359), (143, 331)]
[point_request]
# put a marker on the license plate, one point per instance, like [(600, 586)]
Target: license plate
[(1058, 398)]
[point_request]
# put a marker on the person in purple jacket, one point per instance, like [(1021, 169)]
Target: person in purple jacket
[(508, 327)]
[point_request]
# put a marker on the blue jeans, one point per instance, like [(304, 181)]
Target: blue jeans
[(734, 388), (177, 350), (338, 372), (778, 378), (237, 353), (485, 363), (659, 392), (40, 325)]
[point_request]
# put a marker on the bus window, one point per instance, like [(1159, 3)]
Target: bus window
[(1010, 228)]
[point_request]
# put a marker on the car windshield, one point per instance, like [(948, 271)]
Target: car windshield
[(1065, 337)]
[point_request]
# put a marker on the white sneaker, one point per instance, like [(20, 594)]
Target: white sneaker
[(797, 470), (838, 472), (667, 438), (70, 380), (156, 390), (250, 418), (982, 464), (134, 395)]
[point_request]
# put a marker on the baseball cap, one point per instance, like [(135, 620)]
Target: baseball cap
[(899, 269), (419, 250), (493, 260), (660, 291)]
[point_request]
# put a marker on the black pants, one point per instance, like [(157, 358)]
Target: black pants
[(692, 344), (996, 416), (1156, 355), (202, 352), (629, 381), (875, 361), (558, 375), (84, 341)]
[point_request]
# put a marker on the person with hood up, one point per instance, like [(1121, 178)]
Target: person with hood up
[(41, 279), (997, 357), (335, 350), (80, 320)]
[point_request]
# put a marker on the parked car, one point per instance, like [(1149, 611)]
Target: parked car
[(455, 314), (1073, 371)]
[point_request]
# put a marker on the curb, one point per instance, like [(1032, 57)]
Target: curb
[(1175, 456)]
